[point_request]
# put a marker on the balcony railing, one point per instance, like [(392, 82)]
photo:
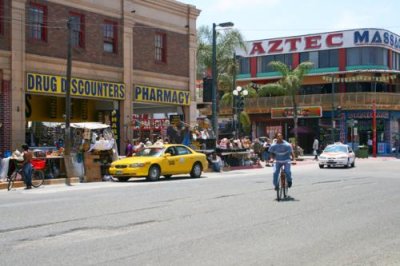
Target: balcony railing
[(348, 101)]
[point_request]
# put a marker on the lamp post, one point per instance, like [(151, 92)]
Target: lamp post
[(214, 75), (374, 144), (238, 94)]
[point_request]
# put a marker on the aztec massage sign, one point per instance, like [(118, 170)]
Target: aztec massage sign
[(51, 84), (332, 40)]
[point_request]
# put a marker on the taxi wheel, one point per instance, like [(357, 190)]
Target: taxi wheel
[(321, 166), (154, 173), (353, 163), (196, 170)]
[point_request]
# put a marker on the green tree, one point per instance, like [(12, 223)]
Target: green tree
[(289, 84), (227, 41)]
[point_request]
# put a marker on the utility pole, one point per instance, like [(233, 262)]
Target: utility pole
[(333, 110), (67, 136), (214, 118)]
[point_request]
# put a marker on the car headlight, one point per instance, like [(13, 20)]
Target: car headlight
[(136, 165)]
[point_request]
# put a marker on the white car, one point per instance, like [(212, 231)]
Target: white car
[(337, 154)]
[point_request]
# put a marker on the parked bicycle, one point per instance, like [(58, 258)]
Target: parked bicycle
[(37, 173)]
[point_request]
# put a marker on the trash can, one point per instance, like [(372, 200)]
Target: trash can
[(362, 152)]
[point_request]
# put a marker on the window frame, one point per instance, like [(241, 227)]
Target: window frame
[(82, 32), (163, 48), (43, 27), (244, 65), (114, 39), (328, 58)]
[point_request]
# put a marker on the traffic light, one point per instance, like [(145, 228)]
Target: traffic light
[(207, 90)]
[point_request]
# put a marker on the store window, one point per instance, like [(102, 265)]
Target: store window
[(328, 58), (37, 22), (367, 56), (263, 61), (78, 30), (310, 57), (160, 45), (244, 65), (110, 36), (395, 61)]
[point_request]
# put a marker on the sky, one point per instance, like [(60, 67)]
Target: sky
[(265, 19)]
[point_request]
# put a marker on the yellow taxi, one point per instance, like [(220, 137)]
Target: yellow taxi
[(160, 160)]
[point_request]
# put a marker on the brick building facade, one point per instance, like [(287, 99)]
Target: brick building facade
[(122, 44)]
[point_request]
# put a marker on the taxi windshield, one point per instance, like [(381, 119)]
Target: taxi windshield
[(150, 152), (336, 149)]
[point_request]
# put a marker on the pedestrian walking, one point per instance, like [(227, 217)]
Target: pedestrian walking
[(315, 147), (27, 166)]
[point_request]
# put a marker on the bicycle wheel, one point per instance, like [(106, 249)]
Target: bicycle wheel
[(37, 178), (11, 180), (278, 193), (283, 185)]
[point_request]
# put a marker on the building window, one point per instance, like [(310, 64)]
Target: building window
[(160, 48), (367, 56), (37, 22), (78, 30), (263, 62), (110, 37), (395, 61), (244, 65), (328, 58)]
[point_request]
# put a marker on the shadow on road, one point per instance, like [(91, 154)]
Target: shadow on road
[(288, 198)]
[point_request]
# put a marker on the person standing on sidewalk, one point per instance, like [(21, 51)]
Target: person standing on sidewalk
[(27, 166), (315, 147)]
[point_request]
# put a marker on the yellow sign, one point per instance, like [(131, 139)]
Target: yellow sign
[(158, 95), (51, 84)]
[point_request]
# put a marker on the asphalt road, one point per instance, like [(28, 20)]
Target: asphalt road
[(334, 217)]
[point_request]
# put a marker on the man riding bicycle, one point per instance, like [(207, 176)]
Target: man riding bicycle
[(282, 152)]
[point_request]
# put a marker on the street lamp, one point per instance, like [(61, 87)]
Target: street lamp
[(214, 74), (238, 93)]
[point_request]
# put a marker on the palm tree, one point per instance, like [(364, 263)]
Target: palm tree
[(227, 42), (288, 85)]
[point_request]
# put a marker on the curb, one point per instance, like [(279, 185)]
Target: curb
[(56, 181)]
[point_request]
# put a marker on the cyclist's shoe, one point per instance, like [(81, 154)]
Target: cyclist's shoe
[(28, 187), (289, 183), (276, 188)]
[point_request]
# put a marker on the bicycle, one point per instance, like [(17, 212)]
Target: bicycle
[(283, 188), (37, 176)]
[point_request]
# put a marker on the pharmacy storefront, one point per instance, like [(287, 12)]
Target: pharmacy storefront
[(155, 108), (91, 101)]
